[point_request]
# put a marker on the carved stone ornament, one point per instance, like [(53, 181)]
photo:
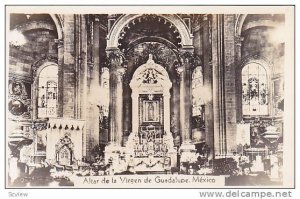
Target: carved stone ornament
[(65, 141), (187, 57), (115, 57)]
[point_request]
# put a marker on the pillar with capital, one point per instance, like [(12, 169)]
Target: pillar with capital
[(187, 149), (112, 150), (208, 82), (238, 56)]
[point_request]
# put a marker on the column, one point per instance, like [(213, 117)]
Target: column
[(119, 106), (60, 63), (95, 51), (172, 152), (116, 96), (135, 112), (68, 69), (175, 96), (81, 73), (185, 97), (187, 149), (218, 66), (117, 71), (207, 73), (238, 56), (230, 86), (184, 137), (93, 85)]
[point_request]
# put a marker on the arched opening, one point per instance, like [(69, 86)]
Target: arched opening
[(47, 86), (255, 95)]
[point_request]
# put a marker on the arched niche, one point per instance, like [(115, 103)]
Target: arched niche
[(47, 70), (150, 78)]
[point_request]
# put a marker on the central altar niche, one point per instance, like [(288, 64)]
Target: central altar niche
[(151, 142)]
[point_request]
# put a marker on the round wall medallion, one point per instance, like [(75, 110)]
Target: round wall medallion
[(16, 107)]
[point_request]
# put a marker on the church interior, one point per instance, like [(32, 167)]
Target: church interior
[(156, 91)]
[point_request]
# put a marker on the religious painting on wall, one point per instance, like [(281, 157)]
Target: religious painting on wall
[(151, 111), (19, 97), (16, 88)]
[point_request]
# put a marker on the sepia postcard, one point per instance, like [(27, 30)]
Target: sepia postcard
[(150, 97)]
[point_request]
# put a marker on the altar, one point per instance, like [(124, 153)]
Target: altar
[(150, 144)]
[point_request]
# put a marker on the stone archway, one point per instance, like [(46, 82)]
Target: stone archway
[(113, 35)]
